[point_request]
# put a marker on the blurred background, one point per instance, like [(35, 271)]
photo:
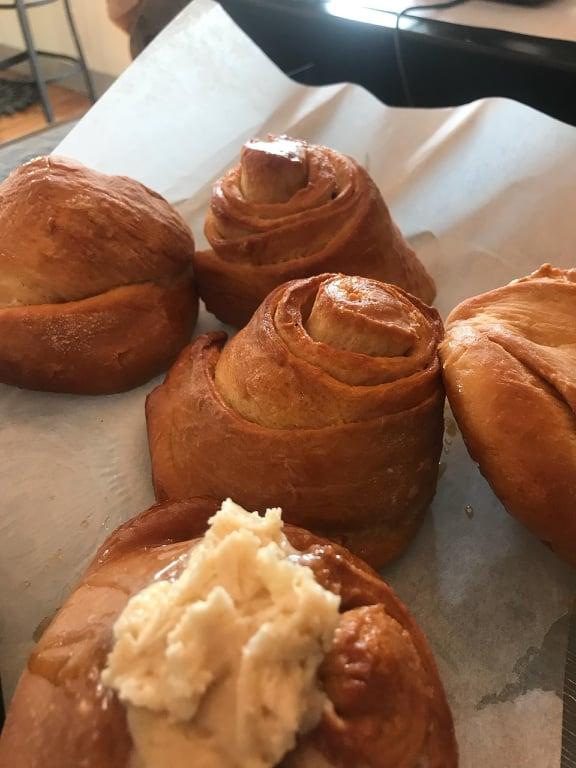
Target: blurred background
[(58, 56)]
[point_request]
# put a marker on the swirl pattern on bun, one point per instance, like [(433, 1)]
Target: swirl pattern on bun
[(330, 401), (291, 210)]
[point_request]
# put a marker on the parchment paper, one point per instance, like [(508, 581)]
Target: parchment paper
[(487, 193)]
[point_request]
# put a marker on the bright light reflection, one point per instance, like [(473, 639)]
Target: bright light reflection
[(355, 11), (377, 12)]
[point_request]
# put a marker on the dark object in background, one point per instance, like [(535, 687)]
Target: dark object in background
[(16, 96), (152, 17), (446, 64)]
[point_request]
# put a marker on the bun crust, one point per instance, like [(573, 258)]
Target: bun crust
[(509, 364), (96, 291)]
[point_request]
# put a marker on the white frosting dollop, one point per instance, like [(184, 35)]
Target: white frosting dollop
[(219, 667)]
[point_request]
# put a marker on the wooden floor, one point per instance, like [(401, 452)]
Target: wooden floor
[(66, 104)]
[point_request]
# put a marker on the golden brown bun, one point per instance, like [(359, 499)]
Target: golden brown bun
[(330, 402), (509, 362), (61, 717), (96, 292), (292, 210)]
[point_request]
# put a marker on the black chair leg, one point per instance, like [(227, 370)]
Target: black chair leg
[(34, 61), (81, 59)]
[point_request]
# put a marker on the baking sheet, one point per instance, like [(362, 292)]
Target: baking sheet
[(486, 192)]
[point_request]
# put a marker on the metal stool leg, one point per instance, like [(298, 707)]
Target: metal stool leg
[(81, 59), (34, 62)]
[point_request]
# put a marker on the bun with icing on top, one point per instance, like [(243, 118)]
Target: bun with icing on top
[(374, 691)]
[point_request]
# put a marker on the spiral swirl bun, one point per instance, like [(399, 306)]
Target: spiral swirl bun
[(329, 401), (291, 210), (272, 171), (509, 361), (346, 315), (389, 706), (96, 291)]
